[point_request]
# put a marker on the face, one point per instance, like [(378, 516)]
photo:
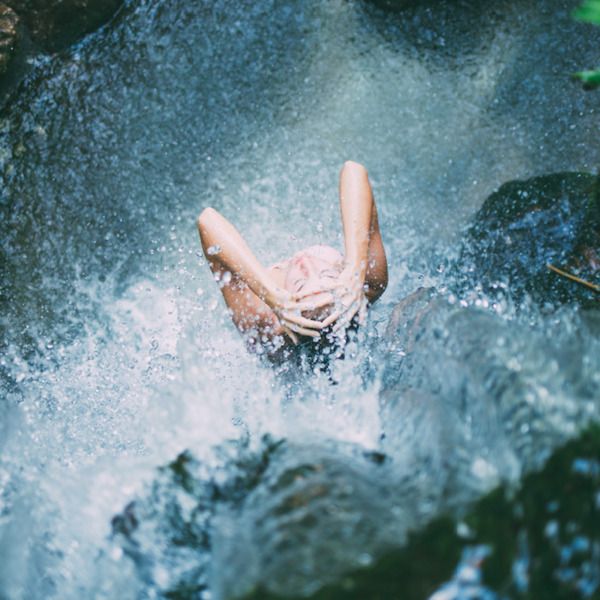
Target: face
[(313, 268)]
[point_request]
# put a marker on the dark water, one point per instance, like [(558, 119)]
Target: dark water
[(116, 351)]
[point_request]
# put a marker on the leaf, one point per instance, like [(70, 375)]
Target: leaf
[(589, 11), (589, 78)]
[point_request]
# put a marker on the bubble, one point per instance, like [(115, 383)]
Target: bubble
[(213, 250)]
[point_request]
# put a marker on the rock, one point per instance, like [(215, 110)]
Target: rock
[(393, 4), (526, 226), (539, 541), (318, 511), (171, 525), (287, 518), (8, 36), (56, 24)]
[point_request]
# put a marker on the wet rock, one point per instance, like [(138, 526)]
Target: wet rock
[(540, 541), (473, 370), (318, 512), (394, 5), (168, 532), (526, 226), (8, 36), (55, 24), (285, 518)]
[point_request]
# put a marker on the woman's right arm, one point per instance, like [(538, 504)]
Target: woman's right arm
[(226, 250), (249, 291)]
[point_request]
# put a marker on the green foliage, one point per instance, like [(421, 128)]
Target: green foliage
[(589, 78), (589, 11)]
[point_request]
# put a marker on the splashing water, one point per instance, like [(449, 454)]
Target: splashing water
[(117, 351)]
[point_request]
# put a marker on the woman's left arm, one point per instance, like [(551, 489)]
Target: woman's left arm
[(365, 258)]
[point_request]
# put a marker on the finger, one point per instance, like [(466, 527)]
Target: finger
[(314, 300), (353, 310), (332, 318), (362, 312), (302, 321), (324, 288), (347, 317), (291, 335), (340, 325), (302, 330)]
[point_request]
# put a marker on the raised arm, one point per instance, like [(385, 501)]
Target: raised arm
[(255, 300), (226, 250), (364, 253)]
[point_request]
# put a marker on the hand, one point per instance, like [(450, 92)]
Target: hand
[(288, 309), (347, 293)]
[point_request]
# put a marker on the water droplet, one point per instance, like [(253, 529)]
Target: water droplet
[(199, 291), (212, 250), (551, 529), (463, 530)]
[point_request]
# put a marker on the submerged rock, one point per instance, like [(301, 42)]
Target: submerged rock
[(318, 511), (168, 532), (528, 225)]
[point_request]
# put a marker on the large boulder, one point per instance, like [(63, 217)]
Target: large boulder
[(538, 541), (286, 519), (527, 226)]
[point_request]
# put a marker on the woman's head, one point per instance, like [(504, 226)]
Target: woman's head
[(312, 269)]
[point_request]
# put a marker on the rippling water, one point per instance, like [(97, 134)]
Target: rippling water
[(117, 353)]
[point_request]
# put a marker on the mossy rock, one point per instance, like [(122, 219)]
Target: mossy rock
[(526, 226)]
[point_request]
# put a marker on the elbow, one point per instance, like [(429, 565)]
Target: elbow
[(205, 217), (354, 167), (205, 225)]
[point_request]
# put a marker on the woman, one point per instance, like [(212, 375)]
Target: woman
[(314, 289)]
